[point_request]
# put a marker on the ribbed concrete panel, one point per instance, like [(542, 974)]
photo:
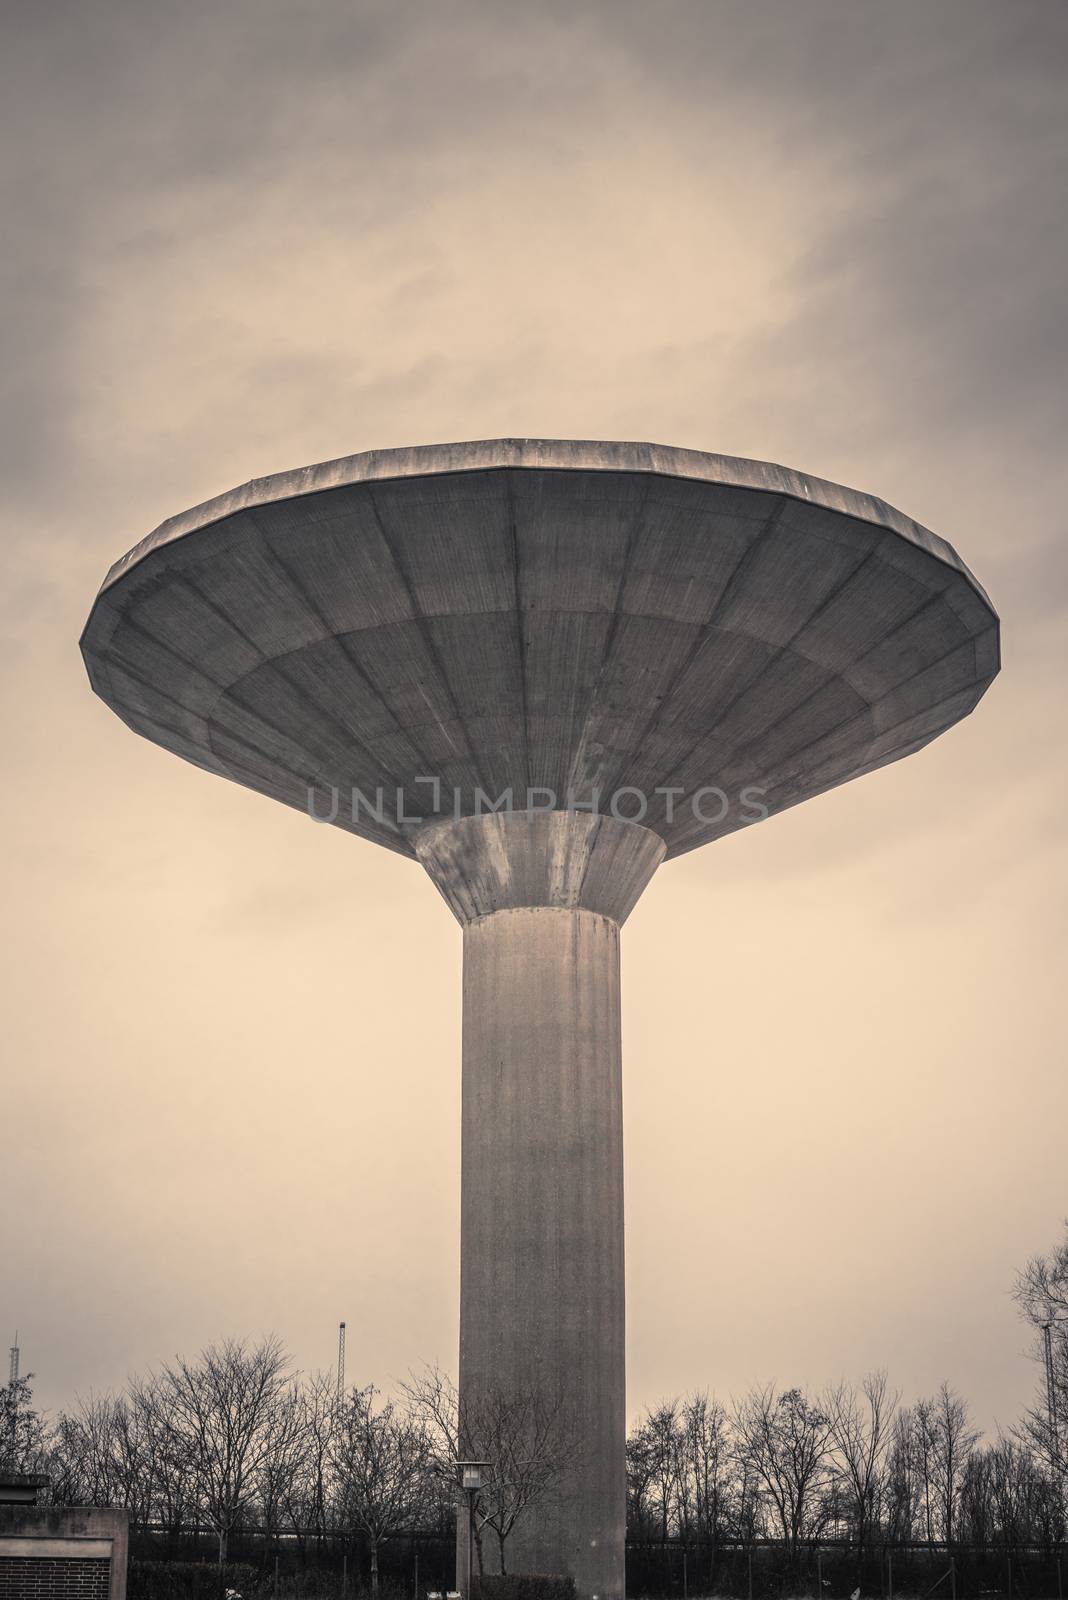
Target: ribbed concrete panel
[(527, 614)]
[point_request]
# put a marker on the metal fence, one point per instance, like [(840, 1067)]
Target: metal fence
[(315, 1565), (836, 1569)]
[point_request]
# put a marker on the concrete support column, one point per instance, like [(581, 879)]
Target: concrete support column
[(542, 896)]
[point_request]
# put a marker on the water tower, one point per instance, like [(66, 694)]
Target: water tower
[(541, 669)]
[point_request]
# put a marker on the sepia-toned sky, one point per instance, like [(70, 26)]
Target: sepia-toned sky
[(244, 236)]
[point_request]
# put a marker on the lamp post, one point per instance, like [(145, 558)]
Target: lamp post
[(471, 1483), (1051, 1408)]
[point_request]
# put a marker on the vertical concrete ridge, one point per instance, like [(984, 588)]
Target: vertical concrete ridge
[(573, 860)]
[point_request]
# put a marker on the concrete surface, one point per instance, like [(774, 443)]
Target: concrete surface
[(541, 900), (65, 1552), (533, 614)]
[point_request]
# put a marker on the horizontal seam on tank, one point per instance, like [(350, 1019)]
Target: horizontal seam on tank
[(503, 911)]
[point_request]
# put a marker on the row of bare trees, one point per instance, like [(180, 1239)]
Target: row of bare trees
[(851, 1464), (236, 1440), (854, 1464)]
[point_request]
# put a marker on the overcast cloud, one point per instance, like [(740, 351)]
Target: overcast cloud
[(240, 237)]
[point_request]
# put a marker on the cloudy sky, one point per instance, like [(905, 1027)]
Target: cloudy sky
[(244, 236)]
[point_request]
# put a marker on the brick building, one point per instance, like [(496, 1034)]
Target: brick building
[(58, 1552)]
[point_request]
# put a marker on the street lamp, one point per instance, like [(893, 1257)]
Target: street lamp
[(471, 1483)]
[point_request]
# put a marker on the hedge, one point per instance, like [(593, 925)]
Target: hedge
[(526, 1586)]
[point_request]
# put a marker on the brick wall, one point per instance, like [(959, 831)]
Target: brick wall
[(62, 1552), (54, 1578)]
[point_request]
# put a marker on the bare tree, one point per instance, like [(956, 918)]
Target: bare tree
[(1007, 1498), (706, 1451), (133, 1445), (902, 1487), (641, 1476), (380, 1455), (1042, 1286), (783, 1438), (746, 1507), (660, 1433), (956, 1440), (307, 1497), (224, 1410), (23, 1434), (85, 1444), (529, 1442), (977, 1514), (925, 1440), (527, 1438), (285, 1440), (166, 1452), (860, 1428), (434, 1400)]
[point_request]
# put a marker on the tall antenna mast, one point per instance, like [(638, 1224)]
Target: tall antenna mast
[(1051, 1394), (13, 1378), (340, 1365)]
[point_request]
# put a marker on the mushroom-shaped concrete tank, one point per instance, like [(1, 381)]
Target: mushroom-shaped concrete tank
[(541, 667)]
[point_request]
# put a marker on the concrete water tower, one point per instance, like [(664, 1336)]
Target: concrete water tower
[(629, 651)]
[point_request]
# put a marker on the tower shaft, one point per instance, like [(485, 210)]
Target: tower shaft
[(542, 1364)]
